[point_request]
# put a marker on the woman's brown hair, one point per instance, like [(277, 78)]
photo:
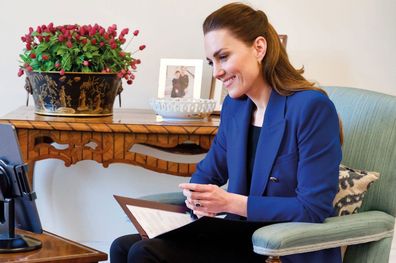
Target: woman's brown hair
[(246, 24)]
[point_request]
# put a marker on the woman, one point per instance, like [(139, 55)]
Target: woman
[(176, 87), (278, 146)]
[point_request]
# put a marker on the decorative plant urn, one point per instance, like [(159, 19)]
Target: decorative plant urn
[(76, 70), (73, 94)]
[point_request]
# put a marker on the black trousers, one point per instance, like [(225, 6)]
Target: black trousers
[(132, 249)]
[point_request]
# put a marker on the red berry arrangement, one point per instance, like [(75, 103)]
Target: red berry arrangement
[(75, 48)]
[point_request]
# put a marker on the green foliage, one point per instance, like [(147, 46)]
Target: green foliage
[(75, 48)]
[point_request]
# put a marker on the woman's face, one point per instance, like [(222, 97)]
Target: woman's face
[(234, 63)]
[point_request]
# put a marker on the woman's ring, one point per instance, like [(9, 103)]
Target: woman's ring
[(198, 204)]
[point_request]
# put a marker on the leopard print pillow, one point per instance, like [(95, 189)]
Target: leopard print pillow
[(353, 184)]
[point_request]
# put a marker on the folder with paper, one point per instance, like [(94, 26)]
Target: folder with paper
[(157, 220)]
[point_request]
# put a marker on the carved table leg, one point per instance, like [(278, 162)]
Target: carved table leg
[(272, 259)]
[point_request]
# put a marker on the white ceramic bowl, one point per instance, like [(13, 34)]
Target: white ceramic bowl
[(181, 108)]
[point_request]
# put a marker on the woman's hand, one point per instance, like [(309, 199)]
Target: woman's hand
[(209, 200), (199, 214)]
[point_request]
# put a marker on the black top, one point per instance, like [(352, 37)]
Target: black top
[(253, 137)]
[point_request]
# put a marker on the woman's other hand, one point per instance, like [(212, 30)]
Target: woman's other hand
[(209, 200)]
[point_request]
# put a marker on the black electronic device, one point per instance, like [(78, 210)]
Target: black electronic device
[(17, 201)]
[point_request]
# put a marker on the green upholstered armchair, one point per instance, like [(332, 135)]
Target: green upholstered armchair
[(369, 120)]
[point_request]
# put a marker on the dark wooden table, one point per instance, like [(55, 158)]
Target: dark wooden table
[(110, 139), (55, 249)]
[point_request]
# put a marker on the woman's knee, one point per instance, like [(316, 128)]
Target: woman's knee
[(119, 249), (150, 250)]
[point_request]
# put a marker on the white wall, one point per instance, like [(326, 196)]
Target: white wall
[(339, 42), (349, 43)]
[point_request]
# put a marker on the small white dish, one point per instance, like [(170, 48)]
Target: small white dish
[(182, 108)]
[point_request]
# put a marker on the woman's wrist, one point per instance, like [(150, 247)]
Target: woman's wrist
[(237, 204)]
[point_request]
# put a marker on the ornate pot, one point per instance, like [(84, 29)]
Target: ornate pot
[(73, 94)]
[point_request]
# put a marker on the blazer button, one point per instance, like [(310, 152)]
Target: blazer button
[(274, 179)]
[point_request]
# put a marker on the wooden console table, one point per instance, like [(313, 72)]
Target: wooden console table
[(55, 249), (110, 139)]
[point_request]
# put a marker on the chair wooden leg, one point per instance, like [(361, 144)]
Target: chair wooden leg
[(272, 259)]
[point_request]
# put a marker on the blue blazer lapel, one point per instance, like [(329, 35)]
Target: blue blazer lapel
[(241, 123), (269, 142)]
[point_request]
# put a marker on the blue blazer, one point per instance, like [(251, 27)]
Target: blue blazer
[(295, 174)]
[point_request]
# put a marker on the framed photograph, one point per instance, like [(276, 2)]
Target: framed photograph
[(218, 92), (180, 78), (283, 40)]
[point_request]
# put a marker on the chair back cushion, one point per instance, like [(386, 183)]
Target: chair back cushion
[(353, 185), (369, 122)]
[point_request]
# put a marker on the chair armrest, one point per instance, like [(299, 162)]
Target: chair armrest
[(173, 198), (292, 238)]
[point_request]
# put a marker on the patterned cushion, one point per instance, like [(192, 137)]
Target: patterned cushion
[(353, 184)]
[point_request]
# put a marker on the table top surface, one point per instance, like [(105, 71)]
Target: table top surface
[(120, 116), (123, 120), (54, 249)]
